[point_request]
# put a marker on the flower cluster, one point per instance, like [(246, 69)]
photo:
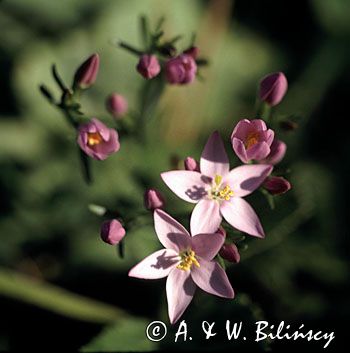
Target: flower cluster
[(217, 191), (159, 55), (218, 194)]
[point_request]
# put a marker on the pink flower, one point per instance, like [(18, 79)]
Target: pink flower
[(148, 66), (86, 74), (276, 185), (117, 105), (153, 199), (181, 69), (112, 232), (277, 151), (186, 261), (273, 87), (251, 140), (191, 164), (97, 140), (217, 191)]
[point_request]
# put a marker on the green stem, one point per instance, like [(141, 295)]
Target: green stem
[(60, 301), (130, 49), (264, 112)]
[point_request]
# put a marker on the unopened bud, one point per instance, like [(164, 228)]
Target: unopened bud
[(86, 74), (276, 185), (117, 105), (148, 66), (273, 87), (191, 164), (153, 199), (112, 232), (230, 253)]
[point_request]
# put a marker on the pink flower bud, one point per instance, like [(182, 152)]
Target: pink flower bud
[(117, 105), (276, 185), (230, 253), (273, 87), (251, 140), (97, 140), (192, 51), (112, 232), (148, 66), (277, 151), (191, 164), (85, 75), (153, 199), (181, 70)]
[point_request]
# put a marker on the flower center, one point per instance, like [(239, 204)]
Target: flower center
[(188, 258), (252, 139), (94, 138), (220, 192)]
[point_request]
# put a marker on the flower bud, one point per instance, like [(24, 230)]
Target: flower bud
[(85, 75), (180, 70), (153, 199), (276, 185), (192, 51), (273, 87), (191, 164), (230, 253), (112, 232), (148, 66), (117, 105)]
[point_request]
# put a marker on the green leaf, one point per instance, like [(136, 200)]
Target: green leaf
[(126, 335)]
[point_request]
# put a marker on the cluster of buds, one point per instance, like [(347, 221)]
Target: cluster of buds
[(159, 55)]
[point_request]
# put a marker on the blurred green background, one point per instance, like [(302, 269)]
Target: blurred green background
[(60, 286)]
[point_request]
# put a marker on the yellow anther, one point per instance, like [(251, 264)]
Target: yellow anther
[(252, 139), (94, 138), (188, 258)]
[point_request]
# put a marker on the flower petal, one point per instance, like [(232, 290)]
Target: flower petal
[(212, 278), (180, 290), (170, 232), (205, 217), (207, 246), (157, 265), (101, 128), (239, 148), (214, 160), (188, 185), (259, 124), (244, 179), (241, 216), (258, 151), (242, 129), (278, 150)]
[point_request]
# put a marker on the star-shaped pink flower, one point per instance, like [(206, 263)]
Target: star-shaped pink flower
[(218, 191), (186, 261)]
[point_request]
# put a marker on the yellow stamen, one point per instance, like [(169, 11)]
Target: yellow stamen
[(94, 138), (226, 193), (188, 258), (252, 139), (218, 192)]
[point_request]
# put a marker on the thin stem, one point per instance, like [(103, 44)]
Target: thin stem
[(130, 48), (58, 78)]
